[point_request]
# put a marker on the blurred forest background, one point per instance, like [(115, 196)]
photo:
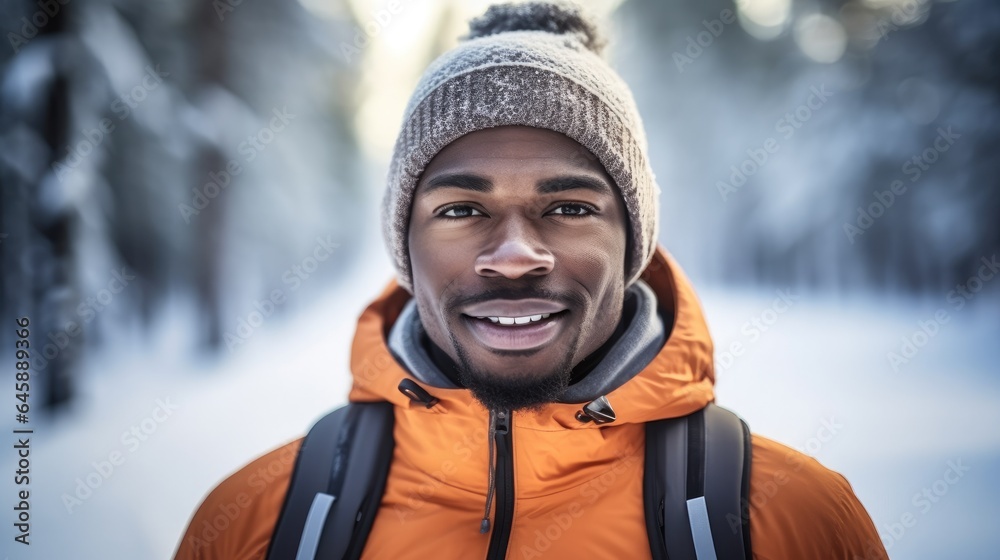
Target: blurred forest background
[(119, 120), (167, 166)]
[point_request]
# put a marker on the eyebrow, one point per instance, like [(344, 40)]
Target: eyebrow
[(478, 183), (459, 180), (569, 182)]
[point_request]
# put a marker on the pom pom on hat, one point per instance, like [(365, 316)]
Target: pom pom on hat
[(554, 17), (534, 64)]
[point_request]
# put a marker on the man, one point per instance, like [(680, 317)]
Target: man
[(521, 215)]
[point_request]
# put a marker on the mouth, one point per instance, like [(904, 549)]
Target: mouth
[(516, 333)]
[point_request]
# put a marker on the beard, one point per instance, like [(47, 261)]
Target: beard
[(505, 392)]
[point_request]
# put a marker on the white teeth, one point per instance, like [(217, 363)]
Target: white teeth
[(517, 320)]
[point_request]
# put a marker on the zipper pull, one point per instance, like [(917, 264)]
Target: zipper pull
[(484, 525), (502, 422), (499, 424)]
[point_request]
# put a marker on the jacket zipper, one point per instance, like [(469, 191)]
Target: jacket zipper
[(504, 517)]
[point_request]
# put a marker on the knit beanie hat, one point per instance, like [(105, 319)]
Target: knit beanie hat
[(535, 64)]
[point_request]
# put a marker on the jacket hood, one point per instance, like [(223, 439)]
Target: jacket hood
[(677, 381)]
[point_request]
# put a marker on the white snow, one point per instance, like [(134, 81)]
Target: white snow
[(822, 360)]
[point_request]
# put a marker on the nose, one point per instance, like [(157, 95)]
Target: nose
[(515, 254)]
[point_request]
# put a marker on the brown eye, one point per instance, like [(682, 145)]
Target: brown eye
[(457, 212), (574, 210)]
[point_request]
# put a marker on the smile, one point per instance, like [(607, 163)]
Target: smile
[(516, 333), (517, 320)]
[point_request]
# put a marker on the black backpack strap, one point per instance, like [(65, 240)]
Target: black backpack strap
[(324, 517), (696, 486)]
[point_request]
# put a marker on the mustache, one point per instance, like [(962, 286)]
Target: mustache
[(569, 299)]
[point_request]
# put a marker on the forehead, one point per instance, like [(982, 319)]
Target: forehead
[(514, 149)]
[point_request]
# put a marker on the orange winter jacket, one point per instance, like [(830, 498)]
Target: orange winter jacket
[(578, 486)]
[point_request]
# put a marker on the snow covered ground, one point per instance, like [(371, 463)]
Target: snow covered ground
[(918, 442), (818, 379)]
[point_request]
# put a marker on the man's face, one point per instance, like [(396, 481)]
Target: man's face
[(517, 224)]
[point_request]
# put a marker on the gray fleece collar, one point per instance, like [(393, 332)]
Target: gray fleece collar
[(639, 344)]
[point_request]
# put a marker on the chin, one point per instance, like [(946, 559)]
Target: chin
[(498, 385)]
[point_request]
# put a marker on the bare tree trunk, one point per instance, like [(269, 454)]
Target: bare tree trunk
[(36, 235)]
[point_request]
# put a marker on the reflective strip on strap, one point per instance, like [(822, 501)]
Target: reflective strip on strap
[(701, 532), (314, 526)]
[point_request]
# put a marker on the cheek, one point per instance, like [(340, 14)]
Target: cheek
[(434, 265), (424, 260), (427, 307), (435, 268), (596, 260), (431, 247)]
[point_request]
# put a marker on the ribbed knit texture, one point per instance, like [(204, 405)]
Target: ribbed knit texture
[(532, 78)]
